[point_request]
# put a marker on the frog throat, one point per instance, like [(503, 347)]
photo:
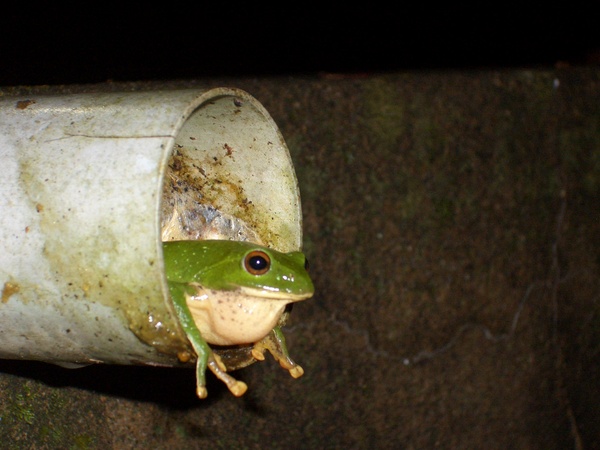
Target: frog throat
[(243, 316)]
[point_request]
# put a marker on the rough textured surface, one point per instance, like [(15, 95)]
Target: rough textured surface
[(452, 224)]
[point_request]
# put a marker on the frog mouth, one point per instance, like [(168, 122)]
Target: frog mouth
[(274, 294), (244, 316)]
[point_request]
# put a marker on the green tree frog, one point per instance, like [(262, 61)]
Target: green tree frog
[(228, 293)]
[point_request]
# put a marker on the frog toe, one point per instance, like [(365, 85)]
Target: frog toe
[(236, 387), (258, 352), (296, 371), (201, 391), (275, 344)]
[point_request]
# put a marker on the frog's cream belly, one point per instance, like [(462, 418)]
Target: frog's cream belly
[(230, 318)]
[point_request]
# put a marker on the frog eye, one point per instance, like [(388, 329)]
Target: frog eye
[(257, 262)]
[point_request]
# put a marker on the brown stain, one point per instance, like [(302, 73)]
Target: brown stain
[(229, 150), (9, 290), (186, 177), (23, 104)]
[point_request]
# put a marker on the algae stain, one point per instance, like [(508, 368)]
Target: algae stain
[(579, 152), (445, 210), (52, 434), (311, 177), (32, 419), (22, 410), (384, 112), (83, 442), (181, 431), (411, 205), (9, 289)]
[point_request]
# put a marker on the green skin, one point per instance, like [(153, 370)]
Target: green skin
[(204, 275)]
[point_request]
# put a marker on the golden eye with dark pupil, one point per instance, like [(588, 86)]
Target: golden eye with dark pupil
[(257, 262)]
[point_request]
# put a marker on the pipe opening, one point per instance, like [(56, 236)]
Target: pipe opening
[(229, 176)]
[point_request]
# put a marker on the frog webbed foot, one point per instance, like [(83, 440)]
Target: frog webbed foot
[(216, 366), (208, 359), (274, 342)]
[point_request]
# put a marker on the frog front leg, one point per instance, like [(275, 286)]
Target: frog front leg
[(205, 358), (274, 342)]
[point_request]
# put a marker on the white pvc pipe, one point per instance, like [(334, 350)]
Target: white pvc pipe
[(82, 179)]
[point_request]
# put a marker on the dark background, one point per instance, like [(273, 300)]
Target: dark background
[(95, 43)]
